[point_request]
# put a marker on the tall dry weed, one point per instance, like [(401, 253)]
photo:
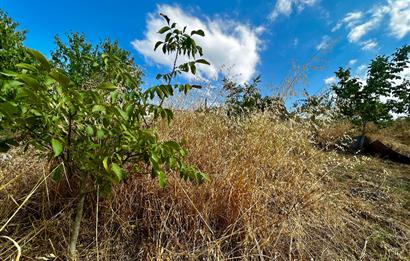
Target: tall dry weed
[(272, 194)]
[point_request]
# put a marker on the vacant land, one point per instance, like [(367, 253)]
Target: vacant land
[(272, 194)]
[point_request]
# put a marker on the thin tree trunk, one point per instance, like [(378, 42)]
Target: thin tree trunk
[(76, 227), (363, 137)]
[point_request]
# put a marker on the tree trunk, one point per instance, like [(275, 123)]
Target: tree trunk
[(76, 227), (363, 137)]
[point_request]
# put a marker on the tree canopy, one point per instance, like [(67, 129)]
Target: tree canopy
[(383, 92)]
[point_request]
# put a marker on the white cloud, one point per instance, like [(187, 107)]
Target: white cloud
[(325, 43), (337, 27), (349, 20), (361, 71), (405, 74), (226, 43), (330, 80), (395, 14), (285, 7), (399, 17), (352, 62), (358, 31), (352, 18), (368, 45)]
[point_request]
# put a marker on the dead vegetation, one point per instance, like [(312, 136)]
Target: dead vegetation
[(271, 195)]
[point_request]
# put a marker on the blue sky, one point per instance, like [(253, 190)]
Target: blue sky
[(245, 38)]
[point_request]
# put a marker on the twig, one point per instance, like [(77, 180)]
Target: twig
[(96, 223)]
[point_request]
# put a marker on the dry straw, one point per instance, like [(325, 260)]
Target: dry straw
[(272, 195)]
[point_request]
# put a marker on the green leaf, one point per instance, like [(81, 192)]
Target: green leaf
[(168, 36), (162, 178), (30, 81), (26, 66), (183, 152), (165, 17), (117, 171), (45, 65), (157, 45), (198, 32), (105, 163), (193, 68), (57, 147), (107, 86), (154, 162), (98, 108), (154, 158), (9, 73), (8, 108), (173, 163), (172, 144), (123, 114), (100, 134), (60, 77), (11, 84), (163, 29), (130, 109), (90, 130), (203, 61)]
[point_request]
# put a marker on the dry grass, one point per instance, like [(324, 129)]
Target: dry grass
[(271, 195), (397, 136)]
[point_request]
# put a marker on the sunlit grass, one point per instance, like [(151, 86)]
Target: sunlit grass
[(271, 194)]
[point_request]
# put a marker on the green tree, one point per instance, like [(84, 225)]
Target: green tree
[(362, 102), (316, 108), (401, 88), (11, 41), (85, 64), (11, 53), (246, 98), (95, 136)]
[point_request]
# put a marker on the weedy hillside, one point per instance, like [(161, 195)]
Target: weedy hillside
[(272, 194), (96, 167)]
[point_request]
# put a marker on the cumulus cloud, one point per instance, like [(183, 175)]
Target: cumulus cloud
[(286, 7), (226, 43)]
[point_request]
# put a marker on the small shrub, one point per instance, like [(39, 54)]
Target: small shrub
[(91, 133)]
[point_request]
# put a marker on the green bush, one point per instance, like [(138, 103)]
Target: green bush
[(92, 131)]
